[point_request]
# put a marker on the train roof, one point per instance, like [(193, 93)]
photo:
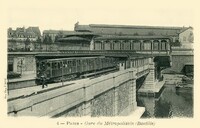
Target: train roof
[(70, 58)]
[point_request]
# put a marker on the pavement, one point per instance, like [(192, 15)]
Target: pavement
[(158, 86), (24, 77), (172, 78), (30, 90)]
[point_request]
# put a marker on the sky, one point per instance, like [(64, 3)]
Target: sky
[(63, 14)]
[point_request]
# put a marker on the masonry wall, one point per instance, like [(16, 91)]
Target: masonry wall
[(178, 62), (108, 95), (24, 64)]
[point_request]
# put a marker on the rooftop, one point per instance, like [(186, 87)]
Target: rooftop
[(105, 29), (64, 32), (73, 38), (133, 26)]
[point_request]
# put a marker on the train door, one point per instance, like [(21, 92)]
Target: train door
[(65, 67), (70, 66)]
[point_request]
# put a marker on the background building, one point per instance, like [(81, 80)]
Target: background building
[(23, 39)]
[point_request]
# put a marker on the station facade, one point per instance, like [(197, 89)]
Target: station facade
[(144, 39)]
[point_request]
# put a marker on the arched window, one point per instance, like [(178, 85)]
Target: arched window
[(147, 45), (155, 45), (163, 44)]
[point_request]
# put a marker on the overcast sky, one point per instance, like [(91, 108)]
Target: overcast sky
[(63, 14)]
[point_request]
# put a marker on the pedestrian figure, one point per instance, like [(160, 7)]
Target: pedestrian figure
[(162, 77), (44, 82)]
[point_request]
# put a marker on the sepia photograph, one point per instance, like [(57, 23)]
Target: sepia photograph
[(99, 63)]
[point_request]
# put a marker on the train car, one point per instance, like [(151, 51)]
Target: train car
[(55, 70)]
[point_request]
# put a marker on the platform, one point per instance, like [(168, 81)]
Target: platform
[(136, 114), (152, 92), (26, 80), (20, 93)]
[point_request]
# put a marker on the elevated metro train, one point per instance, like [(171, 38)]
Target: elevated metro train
[(66, 68)]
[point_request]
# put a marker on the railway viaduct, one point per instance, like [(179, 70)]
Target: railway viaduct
[(112, 94)]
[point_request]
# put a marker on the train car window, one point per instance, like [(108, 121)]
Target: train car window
[(58, 65), (63, 64), (69, 62), (86, 61), (79, 62), (53, 65), (48, 64), (74, 63)]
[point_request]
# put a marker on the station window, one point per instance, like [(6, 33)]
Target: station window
[(136, 46), (155, 46), (111, 46), (163, 46), (130, 46), (147, 46)]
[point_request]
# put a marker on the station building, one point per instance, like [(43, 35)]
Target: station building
[(176, 41), (145, 36), (110, 37)]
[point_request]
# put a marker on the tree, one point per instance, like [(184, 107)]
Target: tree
[(39, 40), (38, 43), (47, 40), (58, 36)]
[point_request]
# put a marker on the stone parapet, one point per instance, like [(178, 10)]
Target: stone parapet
[(106, 95)]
